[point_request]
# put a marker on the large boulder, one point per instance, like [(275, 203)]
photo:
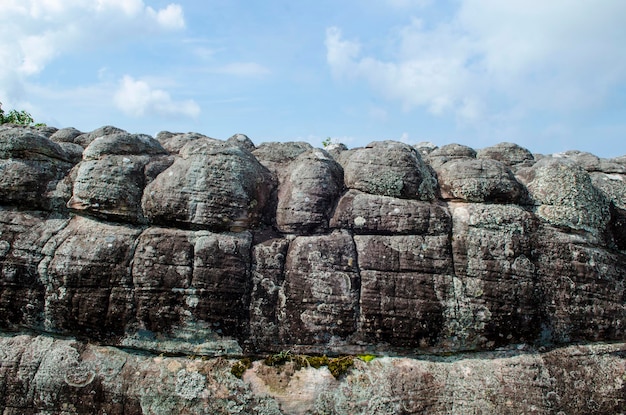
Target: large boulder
[(439, 156), (564, 196), (510, 154), (32, 171), (110, 180), (389, 168), (212, 185), (374, 214), (308, 193), (479, 180)]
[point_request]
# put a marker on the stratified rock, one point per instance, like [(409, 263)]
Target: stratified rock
[(268, 276), (583, 288), (399, 302), (509, 154), (495, 295), (213, 185), (191, 290), (389, 168), (482, 180), (22, 293), (87, 279), (46, 375), (308, 192), (564, 196), (321, 290), (374, 214), (32, 169), (111, 178), (444, 154)]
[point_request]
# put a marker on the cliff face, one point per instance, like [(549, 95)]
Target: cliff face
[(497, 274)]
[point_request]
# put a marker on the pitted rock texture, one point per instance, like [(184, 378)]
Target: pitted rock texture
[(43, 375), (186, 244)]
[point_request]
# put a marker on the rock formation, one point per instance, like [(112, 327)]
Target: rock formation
[(137, 272)]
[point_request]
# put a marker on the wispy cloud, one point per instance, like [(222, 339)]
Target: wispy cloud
[(34, 32), (531, 55), (137, 98)]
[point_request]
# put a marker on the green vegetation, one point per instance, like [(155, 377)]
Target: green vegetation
[(328, 141), (240, 367), (336, 365), (17, 117)]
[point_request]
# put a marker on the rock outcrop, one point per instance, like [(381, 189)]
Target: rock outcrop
[(493, 281)]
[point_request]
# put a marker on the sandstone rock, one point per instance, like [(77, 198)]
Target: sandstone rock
[(389, 168), (583, 288), (87, 280), (86, 138), (335, 149), (564, 196), (321, 291), (46, 375), (311, 186), (274, 156), (497, 283), (509, 154), (74, 151), (191, 289), (212, 186), (174, 142), (66, 135), (22, 293), (268, 276), (111, 178), (374, 214), (31, 169), (444, 154), (481, 180), (242, 140), (425, 148), (223, 258)]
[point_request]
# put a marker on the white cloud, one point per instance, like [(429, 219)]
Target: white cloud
[(137, 98), (35, 32), (170, 17), (523, 54)]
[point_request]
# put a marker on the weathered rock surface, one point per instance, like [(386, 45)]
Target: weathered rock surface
[(189, 245), (54, 376)]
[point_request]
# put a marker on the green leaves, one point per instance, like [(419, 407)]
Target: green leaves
[(17, 117)]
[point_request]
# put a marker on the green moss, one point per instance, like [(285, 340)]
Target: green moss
[(336, 365), (317, 361), (278, 358), (340, 365), (240, 367), (366, 357)]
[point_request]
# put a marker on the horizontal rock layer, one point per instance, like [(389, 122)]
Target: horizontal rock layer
[(185, 244), (53, 376)]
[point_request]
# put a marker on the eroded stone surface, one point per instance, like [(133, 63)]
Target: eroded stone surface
[(195, 246)]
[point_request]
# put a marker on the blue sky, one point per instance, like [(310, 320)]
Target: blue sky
[(549, 75)]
